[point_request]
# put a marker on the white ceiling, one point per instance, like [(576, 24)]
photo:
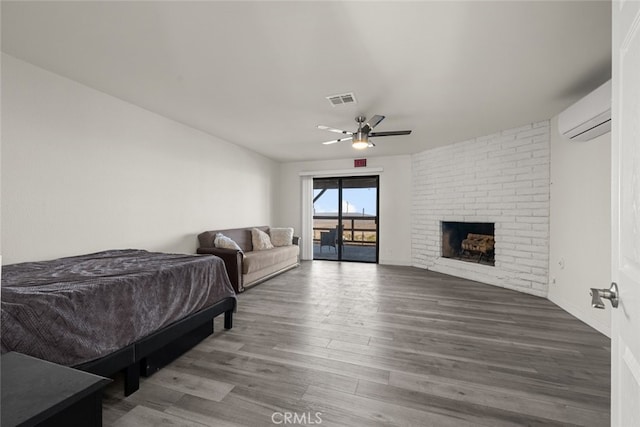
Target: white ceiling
[(257, 73)]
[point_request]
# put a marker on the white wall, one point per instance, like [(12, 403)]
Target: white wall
[(395, 200), (580, 244), (501, 178), (83, 171)]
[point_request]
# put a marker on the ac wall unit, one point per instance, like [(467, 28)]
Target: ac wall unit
[(588, 118)]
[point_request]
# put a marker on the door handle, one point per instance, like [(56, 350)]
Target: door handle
[(611, 294)]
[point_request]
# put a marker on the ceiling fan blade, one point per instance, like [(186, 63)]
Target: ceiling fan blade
[(390, 133), (337, 140), (374, 121), (334, 130)]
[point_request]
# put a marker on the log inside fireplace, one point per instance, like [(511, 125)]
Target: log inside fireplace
[(469, 241)]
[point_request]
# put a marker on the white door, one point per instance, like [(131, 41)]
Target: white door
[(625, 267)]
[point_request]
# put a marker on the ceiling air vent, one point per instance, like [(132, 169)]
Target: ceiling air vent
[(343, 98)]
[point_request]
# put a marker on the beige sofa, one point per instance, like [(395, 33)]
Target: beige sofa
[(248, 267)]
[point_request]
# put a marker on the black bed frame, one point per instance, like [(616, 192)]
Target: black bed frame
[(150, 353)]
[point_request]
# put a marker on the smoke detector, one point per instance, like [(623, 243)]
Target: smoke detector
[(341, 99)]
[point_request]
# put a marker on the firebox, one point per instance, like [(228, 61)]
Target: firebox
[(469, 241)]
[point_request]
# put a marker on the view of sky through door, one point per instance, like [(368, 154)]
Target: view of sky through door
[(354, 200)]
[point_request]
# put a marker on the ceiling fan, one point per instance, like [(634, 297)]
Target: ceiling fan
[(360, 138)]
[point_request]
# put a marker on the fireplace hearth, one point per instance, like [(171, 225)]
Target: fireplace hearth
[(469, 241)]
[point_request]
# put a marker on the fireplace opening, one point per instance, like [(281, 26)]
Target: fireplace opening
[(469, 241)]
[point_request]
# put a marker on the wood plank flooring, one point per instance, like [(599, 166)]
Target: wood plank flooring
[(347, 344)]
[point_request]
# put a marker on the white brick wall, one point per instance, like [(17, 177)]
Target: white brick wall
[(501, 178)]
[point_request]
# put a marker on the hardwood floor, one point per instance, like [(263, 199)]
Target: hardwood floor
[(350, 344)]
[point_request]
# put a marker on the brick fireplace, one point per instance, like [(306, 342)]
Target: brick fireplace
[(500, 179)]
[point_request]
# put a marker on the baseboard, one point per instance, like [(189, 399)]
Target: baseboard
[(581, 315), (400, 262)]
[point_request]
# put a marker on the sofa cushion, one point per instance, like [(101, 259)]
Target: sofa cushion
[(222, 241), (258, 260), (260, 240), (281, 236)]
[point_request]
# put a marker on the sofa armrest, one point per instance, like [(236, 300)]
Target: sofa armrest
[(233, 262)]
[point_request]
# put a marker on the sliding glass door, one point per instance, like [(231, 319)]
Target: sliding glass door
[(345, 219)]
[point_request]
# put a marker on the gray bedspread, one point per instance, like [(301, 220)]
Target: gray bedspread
[(73, 310)]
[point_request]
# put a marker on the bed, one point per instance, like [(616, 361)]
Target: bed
[(119, 310)]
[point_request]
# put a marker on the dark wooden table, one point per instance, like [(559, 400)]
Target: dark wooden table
[(37, 392)]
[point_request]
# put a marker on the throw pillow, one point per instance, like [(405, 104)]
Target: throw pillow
[(260, 240), (281, 236), (222, 241)]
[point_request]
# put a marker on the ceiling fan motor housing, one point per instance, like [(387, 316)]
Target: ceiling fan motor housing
[(361, 136)]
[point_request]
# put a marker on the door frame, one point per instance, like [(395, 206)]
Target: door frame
[(306, 211)]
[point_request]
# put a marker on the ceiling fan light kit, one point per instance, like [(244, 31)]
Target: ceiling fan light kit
[(359, 145), (360, 138)]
